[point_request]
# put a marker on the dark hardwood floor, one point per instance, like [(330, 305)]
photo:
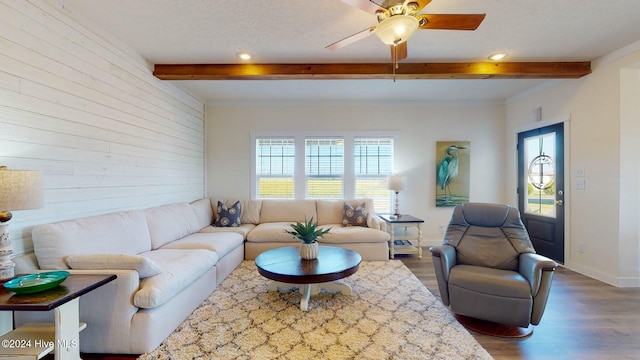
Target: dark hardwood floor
[(584, 319)]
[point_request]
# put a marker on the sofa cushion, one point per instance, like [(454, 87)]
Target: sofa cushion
[(143, 265), (220, 242), (123, 232), (487, 246), (242, 229), (228, 216), (354, 215), (272, 232), (170, 222), (353, 234), (287, 210), (180, 268), (250, 212), (204, 212), (485, 280)]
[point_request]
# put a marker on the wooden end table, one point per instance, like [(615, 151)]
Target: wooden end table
[(35, 340), (404, 221), (287, 270)]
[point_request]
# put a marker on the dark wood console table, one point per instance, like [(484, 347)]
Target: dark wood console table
[(34, 340)]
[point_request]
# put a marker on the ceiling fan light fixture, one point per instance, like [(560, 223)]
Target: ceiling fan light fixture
[(396, 29)]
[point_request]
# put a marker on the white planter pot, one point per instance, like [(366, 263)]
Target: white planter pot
[(309, 251)]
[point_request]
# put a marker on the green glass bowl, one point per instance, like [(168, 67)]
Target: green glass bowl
[(33, 283)]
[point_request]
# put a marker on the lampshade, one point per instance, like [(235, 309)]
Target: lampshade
[(396, 183), (397, 29), (20, 189)]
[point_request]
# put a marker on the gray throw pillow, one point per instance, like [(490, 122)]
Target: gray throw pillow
[(228, 217), (354, 217)]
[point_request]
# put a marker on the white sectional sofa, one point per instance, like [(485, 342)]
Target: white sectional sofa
[(168, 260), (134, 313)]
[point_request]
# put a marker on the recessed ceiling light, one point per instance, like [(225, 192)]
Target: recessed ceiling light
[(498, 56), (244, 56)]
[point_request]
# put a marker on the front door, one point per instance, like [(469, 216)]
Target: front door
[(541, 188)]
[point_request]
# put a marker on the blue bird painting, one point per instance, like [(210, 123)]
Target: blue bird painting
[(447, 172)]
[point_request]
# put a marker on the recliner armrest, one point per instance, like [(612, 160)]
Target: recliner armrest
[(444, 258), (531, 266), (447, 255)]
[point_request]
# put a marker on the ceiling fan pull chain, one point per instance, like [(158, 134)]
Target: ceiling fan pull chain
[(395, 61), (396, 57)]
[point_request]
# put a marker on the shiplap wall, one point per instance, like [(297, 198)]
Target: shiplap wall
[(84, 109)]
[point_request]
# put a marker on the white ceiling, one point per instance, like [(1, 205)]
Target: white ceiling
[(296, 31)]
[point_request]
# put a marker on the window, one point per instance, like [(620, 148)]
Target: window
[(324, 168), (373, 163), (336, 165), (275, 159)]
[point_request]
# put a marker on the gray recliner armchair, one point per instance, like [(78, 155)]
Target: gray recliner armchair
[(487, 268)]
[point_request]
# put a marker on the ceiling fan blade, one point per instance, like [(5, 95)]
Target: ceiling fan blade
[(398, 52), (364, 5), (351, 39), (450, 21)]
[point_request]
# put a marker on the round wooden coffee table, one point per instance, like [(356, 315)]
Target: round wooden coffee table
[(287, 270)]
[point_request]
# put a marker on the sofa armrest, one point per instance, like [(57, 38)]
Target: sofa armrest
[(374, 222), (107, 307)]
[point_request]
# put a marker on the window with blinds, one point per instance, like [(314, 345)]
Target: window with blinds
[(275, 168), (373, 163), (336, 165), (324, 168)]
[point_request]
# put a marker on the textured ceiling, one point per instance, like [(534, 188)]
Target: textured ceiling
[(296, 31)]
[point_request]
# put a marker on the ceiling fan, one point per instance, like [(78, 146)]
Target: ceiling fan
[(397, 20)]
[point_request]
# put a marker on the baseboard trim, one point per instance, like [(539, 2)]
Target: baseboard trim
[(616, 281)]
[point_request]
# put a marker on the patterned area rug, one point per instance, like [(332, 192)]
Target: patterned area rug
[(391, 315)]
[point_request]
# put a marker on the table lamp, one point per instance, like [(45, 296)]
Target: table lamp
[(396, 183), (19, 190)]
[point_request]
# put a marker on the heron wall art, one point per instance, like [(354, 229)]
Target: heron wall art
[(452, 172)]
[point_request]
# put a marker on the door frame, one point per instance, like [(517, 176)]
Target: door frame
[(568, 176)]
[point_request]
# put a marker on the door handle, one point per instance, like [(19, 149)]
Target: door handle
[(559, 202)]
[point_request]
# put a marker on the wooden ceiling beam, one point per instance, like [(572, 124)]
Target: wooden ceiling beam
[(349, 71)]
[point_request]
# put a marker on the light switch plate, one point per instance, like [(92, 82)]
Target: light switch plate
[(580, 185)]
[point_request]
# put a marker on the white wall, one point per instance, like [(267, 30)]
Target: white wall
[(86, 110), (604, 142), (629, 249), (419, 127)]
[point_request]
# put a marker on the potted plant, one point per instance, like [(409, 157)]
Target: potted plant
[(308, 232)]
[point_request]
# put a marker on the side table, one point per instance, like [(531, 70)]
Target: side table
[(403, 221), (34, 340)]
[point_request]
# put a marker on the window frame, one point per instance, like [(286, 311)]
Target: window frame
[(255, 166), (317, 156), (380, 178), (300, 156)]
